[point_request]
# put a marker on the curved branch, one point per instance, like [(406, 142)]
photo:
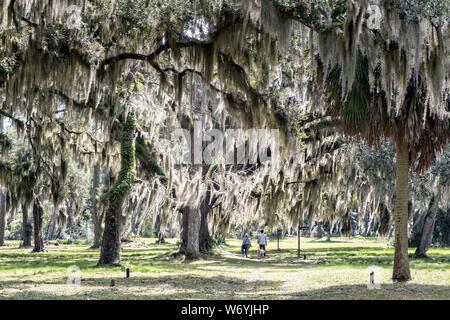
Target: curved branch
[(312, 14)]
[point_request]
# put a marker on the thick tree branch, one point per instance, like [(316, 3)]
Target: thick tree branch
[(313, 14)]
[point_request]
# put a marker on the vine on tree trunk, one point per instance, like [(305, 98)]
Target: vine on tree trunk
[(110, 251), (127, 174)]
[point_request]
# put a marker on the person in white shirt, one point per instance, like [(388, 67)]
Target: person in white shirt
[(262, 241)]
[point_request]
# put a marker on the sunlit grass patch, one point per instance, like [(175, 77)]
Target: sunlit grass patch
[(331, 270)]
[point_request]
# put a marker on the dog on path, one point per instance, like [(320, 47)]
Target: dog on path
[(261, 253)]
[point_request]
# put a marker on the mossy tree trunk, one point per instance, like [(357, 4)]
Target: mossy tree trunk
[(383, 228), (426, 236), (110, 250), (159, 232), (98, 231), (328, 229), (401, 272), (184, 228), (205, 208), (27, 228), (195, 236), (205, 244), (193, 243), (38, 213), (190, 232), (53, 225), (97, 216), (71, 224), (2, 216)]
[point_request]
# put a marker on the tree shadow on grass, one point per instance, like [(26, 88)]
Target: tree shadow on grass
[(331, 258), (393, 291), (60, 258), (327, 241), (221, 287), (156, 259), (161, 288)]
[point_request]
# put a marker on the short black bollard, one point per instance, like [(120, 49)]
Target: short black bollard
[(304, 257), (113, 283), (127, 271)]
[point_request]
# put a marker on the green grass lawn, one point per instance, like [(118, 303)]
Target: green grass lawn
[(332, 270)]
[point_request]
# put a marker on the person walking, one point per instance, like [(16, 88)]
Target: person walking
[(246, 244), (262, 242)]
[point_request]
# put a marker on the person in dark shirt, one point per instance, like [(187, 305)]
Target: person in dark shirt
[(246, 244)]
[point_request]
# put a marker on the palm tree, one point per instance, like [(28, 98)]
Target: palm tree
[(418, 135), (380, 83)]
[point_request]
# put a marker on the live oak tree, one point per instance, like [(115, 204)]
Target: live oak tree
[(429, 196), (377, 82), (110, 250)]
